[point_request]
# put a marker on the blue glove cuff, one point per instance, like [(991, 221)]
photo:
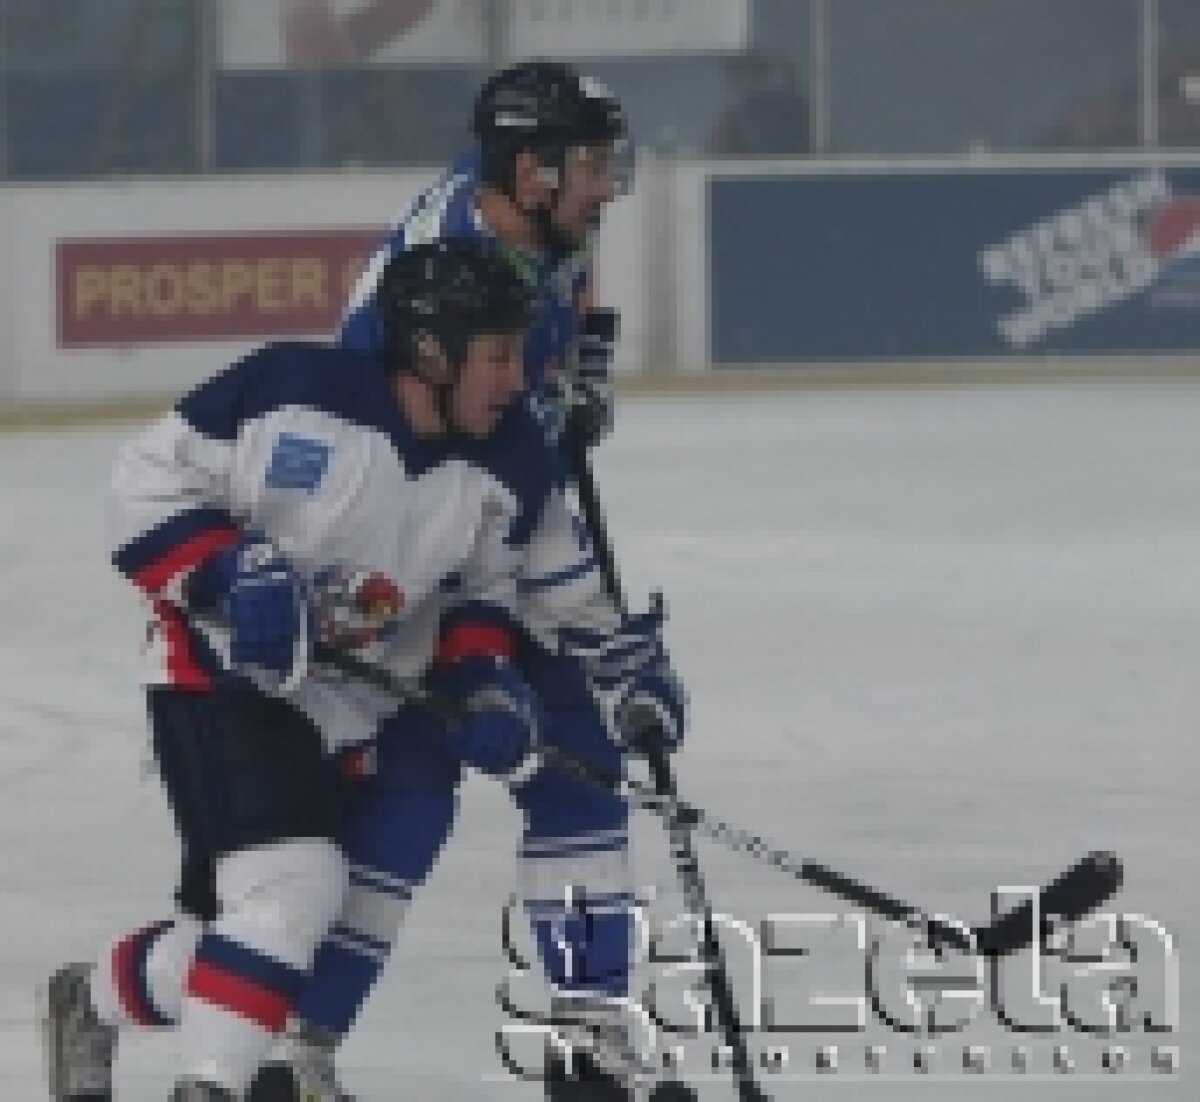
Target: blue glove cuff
[(207, 586)]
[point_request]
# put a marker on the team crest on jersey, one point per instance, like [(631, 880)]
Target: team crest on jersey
[(354, 608), (297, 463)]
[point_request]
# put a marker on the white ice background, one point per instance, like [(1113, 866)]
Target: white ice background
[(941, 639)]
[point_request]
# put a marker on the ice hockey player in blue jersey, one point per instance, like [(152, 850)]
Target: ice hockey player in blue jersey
[(551, 153), (380, 503)]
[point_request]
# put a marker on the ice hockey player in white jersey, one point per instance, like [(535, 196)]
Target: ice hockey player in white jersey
[(375, 502), (551, 153)]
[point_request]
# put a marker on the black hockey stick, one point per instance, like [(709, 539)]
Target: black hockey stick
[(678, 817), (1083, 887), (679, 827)]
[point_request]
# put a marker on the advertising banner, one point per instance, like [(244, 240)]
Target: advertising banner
[(314, 33), (954, 264), (116, 292), (617, 28)]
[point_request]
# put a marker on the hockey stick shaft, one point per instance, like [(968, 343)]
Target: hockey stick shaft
[(679, 835), (1082, 888), (678, 826), (593, 514)]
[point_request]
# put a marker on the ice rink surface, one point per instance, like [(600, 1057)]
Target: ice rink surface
[(941, 639)]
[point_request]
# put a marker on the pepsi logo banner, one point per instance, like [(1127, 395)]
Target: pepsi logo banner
[(957, 263)]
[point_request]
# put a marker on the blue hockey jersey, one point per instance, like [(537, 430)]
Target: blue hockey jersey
[(448, 209)]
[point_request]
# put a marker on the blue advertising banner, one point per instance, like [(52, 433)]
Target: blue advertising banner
[(954, 264)]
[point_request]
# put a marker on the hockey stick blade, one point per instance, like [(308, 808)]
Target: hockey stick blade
[(1082, 888)]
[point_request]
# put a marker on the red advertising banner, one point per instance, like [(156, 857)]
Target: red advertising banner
[(147, 290)]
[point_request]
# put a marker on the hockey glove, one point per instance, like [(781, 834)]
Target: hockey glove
[(652, 709), (591, 385), (500, 729), (264, 603), (631, 665)]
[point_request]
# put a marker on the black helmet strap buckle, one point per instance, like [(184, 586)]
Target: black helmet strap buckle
[(442, 385), (551, 173)]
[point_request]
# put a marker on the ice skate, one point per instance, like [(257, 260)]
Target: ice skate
[(79, 1046), (193, 1090), (585, 1081), (605, 1064), (302, 1071)]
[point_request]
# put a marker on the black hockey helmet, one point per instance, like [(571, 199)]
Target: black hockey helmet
[(448, 292), (546, 107)]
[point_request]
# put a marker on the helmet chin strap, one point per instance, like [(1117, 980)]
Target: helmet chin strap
[(442, 390), (443, 402), (554, 241), (541, 216)]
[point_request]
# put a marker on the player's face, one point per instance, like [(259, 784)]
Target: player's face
[(493, 374), (591, 180)]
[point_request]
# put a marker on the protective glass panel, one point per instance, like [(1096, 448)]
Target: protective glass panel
[(743, 97), (954, 76), (368, 115), (95, 87), (1178, 99)]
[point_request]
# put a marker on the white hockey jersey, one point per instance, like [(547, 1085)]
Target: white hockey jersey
[(306, 445)]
